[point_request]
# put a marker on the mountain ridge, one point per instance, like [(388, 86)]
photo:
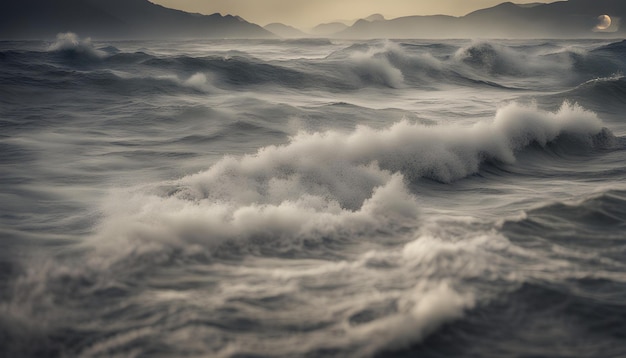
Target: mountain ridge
[(562, 19), (142, 19), (285, 31), (137, 19)]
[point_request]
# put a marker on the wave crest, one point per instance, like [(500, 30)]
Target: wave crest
[(72, 45), (496, 59)]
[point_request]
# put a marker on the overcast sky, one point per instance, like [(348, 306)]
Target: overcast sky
[(308, 13)]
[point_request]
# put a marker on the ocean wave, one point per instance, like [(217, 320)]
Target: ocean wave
[(566, 261), (305, 205), (615, 48), (604, 89), (126, 58), (564, 308), (357, 66), (390, 64), (601, 94), (73, 47), (399, 219), (591, 66), (234, 70), (121, 82), (597, 221), (325, 189), (308, 41), (500, 60), (479, 63), (405, 309)]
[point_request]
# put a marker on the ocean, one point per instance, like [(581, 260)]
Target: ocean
[(313, 198)]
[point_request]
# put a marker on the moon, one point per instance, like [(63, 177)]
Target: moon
[(604, 22)]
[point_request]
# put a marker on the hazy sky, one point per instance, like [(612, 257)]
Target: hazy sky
[(308, 13)]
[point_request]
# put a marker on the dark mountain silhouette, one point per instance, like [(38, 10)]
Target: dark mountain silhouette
[(37, 19), (328, 29), (322, 30), (562, 19), (141, 19), (285, 31), (403, 27)]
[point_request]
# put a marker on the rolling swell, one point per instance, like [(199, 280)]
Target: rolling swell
[(597, 222), (609, 88), (617, 48), (589, 291), (598, 94), (116, 82), (608, 92), (360, 65), (569, 294), (535, 320), (234, 70)]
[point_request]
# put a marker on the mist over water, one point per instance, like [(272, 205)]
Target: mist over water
[(312, 198)]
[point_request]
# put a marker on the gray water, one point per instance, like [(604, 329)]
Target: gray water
[(313, 198)]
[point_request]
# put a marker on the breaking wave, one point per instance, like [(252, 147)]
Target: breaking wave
[(71, 46), (330, 187), (496, 59), (360, 65)]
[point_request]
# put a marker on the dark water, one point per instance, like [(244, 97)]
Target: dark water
[(311, 198)]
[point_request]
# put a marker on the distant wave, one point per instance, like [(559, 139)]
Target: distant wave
[(119, 82), (600, 213), (496, 59), (482, 62), (491, 59), (615, 48), (356, 66), (235, 70), (70, 45)]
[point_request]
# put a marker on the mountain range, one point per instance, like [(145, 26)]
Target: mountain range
[(116, 19), (141, 19), (561, 19), (285, 31)]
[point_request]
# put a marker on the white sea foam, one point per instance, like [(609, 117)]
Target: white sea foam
[(199, 81)]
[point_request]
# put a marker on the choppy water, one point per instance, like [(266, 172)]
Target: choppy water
[(313, 198)]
